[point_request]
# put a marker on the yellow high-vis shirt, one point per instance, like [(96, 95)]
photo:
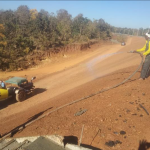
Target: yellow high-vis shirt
[(144, 49)]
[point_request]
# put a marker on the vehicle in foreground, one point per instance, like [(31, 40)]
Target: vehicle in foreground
[(18, 88)]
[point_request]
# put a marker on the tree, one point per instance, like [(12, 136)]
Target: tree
[(33, 14), (3, 42), (104, 29), (23, 14), (63, 25), (23, 30), (81, 28)]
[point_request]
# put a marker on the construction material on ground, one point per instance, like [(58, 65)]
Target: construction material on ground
[(81, 135), (53, 142), (80, 112)]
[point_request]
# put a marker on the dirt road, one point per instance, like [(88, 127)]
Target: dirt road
[(63, 82)]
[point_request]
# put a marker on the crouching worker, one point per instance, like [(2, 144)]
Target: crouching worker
[(146, 65)]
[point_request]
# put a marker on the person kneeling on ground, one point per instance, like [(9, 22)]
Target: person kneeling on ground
[(146, 65)]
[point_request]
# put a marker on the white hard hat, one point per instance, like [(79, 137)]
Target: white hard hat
[(148, 34)]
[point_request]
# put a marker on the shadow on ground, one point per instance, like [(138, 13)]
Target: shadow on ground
[(22, 126), (74, 140), (39, 90), (144, 145), (70, 140), (7, 102), (11, 101), (37, 115), (90, 147)]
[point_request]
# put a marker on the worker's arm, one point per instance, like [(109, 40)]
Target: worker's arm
[(142, 49), (148, 51)]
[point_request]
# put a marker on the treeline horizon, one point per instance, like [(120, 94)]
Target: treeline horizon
[(130, 31), (24, 30)]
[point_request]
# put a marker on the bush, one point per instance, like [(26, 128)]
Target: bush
[(12, 66)]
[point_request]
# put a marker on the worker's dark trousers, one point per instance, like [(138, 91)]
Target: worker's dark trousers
[(146, 67)]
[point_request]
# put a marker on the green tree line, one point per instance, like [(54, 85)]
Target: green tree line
[(129, 31), (25, 30)]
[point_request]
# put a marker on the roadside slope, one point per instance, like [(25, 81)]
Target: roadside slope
[(80, 80), (107, 113)]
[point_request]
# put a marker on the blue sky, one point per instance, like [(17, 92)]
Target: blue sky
[(131, 14)]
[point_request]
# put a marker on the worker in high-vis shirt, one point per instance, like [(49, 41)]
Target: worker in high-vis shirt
[(146, 66)]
